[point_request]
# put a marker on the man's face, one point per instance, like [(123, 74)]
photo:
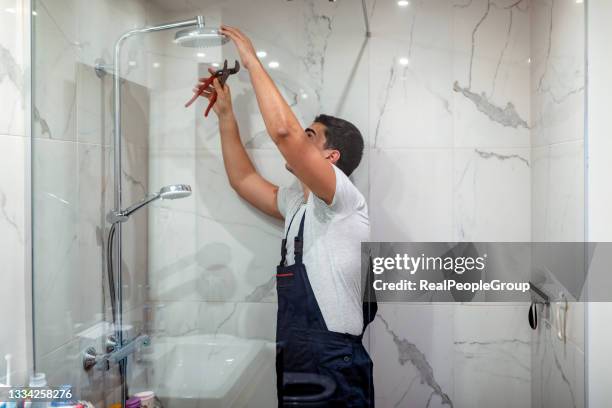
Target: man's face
[(316, 135)]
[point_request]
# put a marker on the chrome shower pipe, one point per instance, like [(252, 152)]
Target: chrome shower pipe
[(117, 166)]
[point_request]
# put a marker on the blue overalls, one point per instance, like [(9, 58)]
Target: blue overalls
[(307, 349)]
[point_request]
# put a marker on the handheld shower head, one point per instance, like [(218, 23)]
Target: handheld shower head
[(175, 191), (171, 192)]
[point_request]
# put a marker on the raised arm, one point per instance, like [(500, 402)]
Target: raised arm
[(242, 175), (306, 161)]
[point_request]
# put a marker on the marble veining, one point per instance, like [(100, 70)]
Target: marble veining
[(8, 218), (262, 291), (499, 156), (318, 30), (506, 116), (11, 70), (409, 352), (135, 182), (549, 45), (385, 101), (548, 368)]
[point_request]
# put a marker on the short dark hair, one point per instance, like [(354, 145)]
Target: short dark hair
[(342, 135)]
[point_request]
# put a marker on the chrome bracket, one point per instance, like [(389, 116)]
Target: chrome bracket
[(114, 217), (102, 68)]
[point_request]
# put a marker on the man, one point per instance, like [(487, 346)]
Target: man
[(321, 317)]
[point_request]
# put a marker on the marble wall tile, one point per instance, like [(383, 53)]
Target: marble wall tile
[(54, 90), (410, 193), (411, 75), (558, 192), (557, 71), (558, 370), (492, 356), (411, 346), (412, 100), (491, 70), (484, 208), (13, 24)]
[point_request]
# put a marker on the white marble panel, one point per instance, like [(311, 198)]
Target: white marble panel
[(492, 356), (491, 70), (411, 194), (12, 252), (558, 370), (411, 75), (13, 16), (411, 346), (557, 72), (485, 208), (558, 192), (55, 63), (412, 100)]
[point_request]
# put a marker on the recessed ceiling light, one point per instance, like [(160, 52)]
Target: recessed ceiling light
[(200, 55), (274, 64), (215, 64), (10, 10), (156, 65), (262, 54), (579, 1), (34, 13), (403, 61), (403, 3), (132, 63)]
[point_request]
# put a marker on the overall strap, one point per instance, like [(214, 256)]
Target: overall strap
[(370, 306), (284, 241), (298, 242)]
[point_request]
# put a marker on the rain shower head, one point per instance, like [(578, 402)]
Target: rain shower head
[(171, 192), (200, 37)]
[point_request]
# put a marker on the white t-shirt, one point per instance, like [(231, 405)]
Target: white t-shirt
[(332, 248)]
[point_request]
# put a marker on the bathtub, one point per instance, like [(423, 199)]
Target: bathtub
[(210, 371)]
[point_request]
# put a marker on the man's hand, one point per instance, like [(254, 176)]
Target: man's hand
[(223, 106), (243, 45)]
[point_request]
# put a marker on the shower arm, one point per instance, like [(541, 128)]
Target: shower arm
[(198, 21)]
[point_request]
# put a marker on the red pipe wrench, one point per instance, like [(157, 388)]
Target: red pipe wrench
[(222, 75)]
